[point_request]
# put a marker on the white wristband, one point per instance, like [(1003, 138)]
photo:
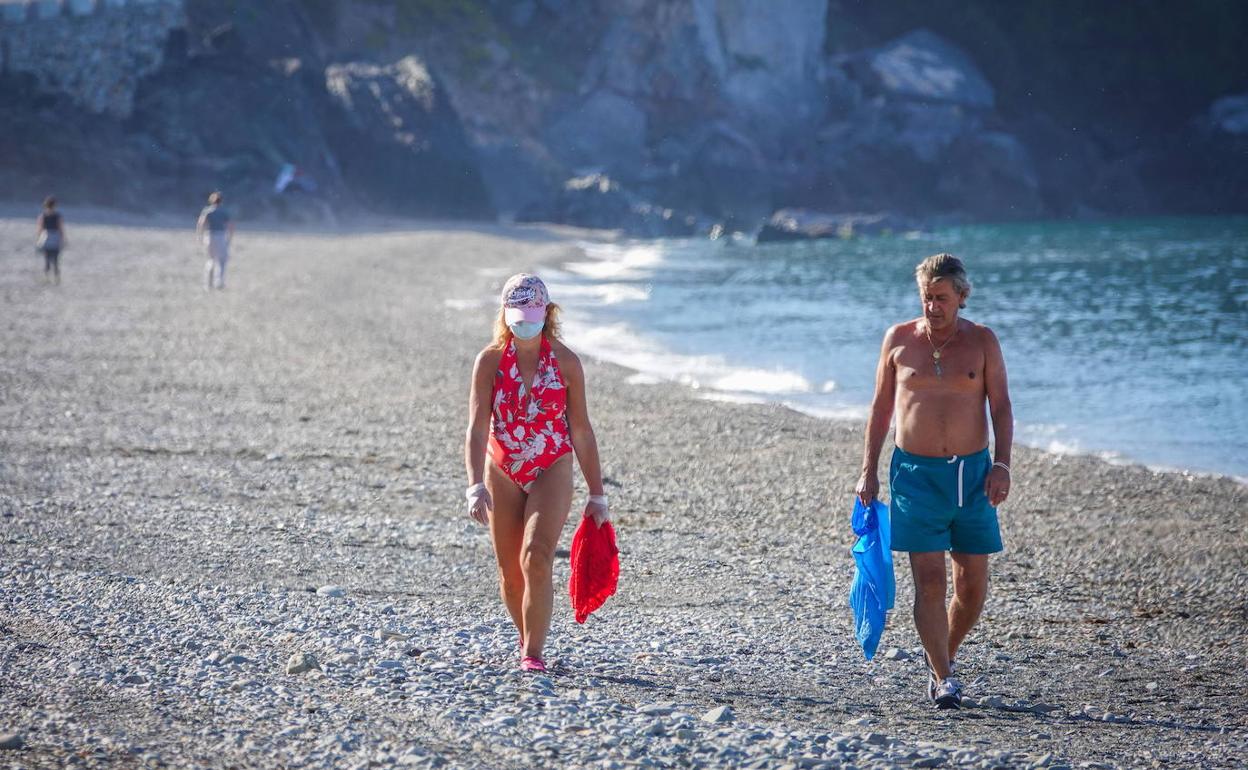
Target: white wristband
[(598, 500), (474, 491), (1003, 465)]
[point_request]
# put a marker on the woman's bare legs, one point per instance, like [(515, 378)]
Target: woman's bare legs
[(507, 534), (545, 512)]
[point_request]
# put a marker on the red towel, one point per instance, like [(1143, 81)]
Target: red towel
[(595, 567)]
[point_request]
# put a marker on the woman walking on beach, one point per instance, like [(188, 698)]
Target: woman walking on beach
[(50, 239), (527, 406)]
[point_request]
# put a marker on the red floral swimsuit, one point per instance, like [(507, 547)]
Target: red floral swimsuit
[(528, 432)]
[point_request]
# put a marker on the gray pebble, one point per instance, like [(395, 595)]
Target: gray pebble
[(719, 715), (300, 662)]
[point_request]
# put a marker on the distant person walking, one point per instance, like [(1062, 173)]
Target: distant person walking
[(527, 407), (50, 239), (216, 228), (937, 373)]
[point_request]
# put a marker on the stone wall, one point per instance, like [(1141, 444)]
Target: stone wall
[(94, 51)]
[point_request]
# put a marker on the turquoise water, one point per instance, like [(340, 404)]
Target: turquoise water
[(1125, 339)]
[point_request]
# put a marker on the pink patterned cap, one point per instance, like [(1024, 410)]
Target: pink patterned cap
[(524, 298)]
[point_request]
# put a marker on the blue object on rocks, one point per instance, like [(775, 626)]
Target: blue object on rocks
[(873, 590)]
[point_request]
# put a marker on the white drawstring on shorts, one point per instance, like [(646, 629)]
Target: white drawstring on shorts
[(961, 465)]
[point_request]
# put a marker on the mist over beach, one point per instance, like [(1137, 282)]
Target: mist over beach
[(232, 526)]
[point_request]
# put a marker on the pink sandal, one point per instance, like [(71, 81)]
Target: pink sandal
[(530, 663)]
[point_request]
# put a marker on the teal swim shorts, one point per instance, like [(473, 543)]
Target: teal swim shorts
[(939, 504)]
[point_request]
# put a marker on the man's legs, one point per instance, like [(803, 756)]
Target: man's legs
[(218, 251), (944, 629), (970, 590), (931, 618)]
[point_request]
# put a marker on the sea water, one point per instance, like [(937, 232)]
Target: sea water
[(1124, 339)]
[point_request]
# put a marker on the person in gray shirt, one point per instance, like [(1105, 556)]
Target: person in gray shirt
[(216, 228)]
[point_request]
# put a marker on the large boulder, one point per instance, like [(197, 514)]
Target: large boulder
[(920, 129), (1229, 115), (885, 155), (249, 98), (752, 62), (596, 201), (922, 65), (216, 121), (695, 104), (398, 138), (654, 53), (719, 170), (1225, 155), (769, 57), (785, 39), (504, 110), (604, 131), (913, 130), (1204, 168), (89, 158), (802, 225), (1074, 176), (519, 171), (990, 174)]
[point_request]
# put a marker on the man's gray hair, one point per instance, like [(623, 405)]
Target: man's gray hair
[(944, 266)]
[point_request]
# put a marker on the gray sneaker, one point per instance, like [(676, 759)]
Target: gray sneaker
[(933, 682), (948, 694)]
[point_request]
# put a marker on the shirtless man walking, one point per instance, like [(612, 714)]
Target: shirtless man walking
[(937, 372)]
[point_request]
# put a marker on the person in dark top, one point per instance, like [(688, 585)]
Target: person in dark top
[(50, 239), (217, 230)]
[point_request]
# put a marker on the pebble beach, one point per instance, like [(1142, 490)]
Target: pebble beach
[(232, 535)]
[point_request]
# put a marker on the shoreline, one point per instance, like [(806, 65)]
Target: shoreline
[(1110, 457), (183, 471)]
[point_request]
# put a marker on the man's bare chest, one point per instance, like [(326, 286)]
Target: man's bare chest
[(954, 368)]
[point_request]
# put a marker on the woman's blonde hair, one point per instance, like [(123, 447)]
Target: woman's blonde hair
[(502, 334)]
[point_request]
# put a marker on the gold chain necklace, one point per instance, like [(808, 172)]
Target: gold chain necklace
[(927, 330)]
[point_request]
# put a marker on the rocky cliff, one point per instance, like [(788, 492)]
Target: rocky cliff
[(93, 51), (152, 103), (659, 116)]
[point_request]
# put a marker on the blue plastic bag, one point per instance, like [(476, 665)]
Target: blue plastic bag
[(874, 588)]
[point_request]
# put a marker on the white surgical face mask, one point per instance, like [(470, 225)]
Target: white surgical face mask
[(526, 330)]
